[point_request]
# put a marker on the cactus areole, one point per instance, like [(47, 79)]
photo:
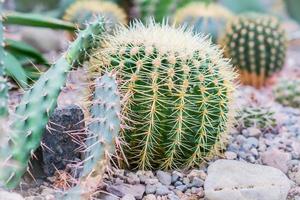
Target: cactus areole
[(176, 94)]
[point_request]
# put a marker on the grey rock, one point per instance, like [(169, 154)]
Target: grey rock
[(61, 145), (177, 183), (128, 197), (182, 188), (151, 181), (250, 143), (277, 159), (234, 180), (121, 190), (108, 197), (164, 177), (196, 182), (4, 195), (162, 190), (149, 197), (150, 189), (186, 180), (253, 132), (176, 176), (132, 178), (230, 155), (173, 197)]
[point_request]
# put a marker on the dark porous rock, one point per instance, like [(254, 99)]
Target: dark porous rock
[(62, 137)]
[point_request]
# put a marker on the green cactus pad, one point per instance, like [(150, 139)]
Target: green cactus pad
[(3, 83), (209, 19), (177, 92), (256, 44), (103, 130), (37, 104)]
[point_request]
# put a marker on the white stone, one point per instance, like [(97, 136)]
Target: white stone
[(4, 195), (235, 180)]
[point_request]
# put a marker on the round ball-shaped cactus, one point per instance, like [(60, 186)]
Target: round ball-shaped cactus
[(209, 19), (176, 94), (256, 44), (287, 92), (84, 11)]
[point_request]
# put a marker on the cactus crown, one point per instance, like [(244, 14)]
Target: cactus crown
[(287, 92), (209, 19), (176, 90), (257, 45), (82, 11)]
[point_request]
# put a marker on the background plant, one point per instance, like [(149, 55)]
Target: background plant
[(257, 45)]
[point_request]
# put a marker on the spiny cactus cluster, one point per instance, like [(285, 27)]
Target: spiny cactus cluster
[(84, 11), (257, 45), (102, 132), (33, 112), (256, 116), (209, 19), (177, 91), (287, 92), (157, 9), (3, 83)]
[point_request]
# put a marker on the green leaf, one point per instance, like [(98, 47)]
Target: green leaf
[(22, 49), (37, 20), (14, 69)]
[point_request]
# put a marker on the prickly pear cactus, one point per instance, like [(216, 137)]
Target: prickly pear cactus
[(177, 91), (84, 11), (256, 116), (209, 19), (3, 83), (157, 9), (257, 45), (103, 130), (287, 92), (37, 104)]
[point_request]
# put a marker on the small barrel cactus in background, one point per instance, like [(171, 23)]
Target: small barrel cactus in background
[(177, 94), (157, 9), (256, 116), (84, 11), (210, 19), (287, 92), (257, 45)]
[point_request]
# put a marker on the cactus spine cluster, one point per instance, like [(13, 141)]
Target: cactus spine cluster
[(209, 19), (176, 89), (102, 132), (287, 92), (3, 83), (33, 112), (257, 45), (84, 11)]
